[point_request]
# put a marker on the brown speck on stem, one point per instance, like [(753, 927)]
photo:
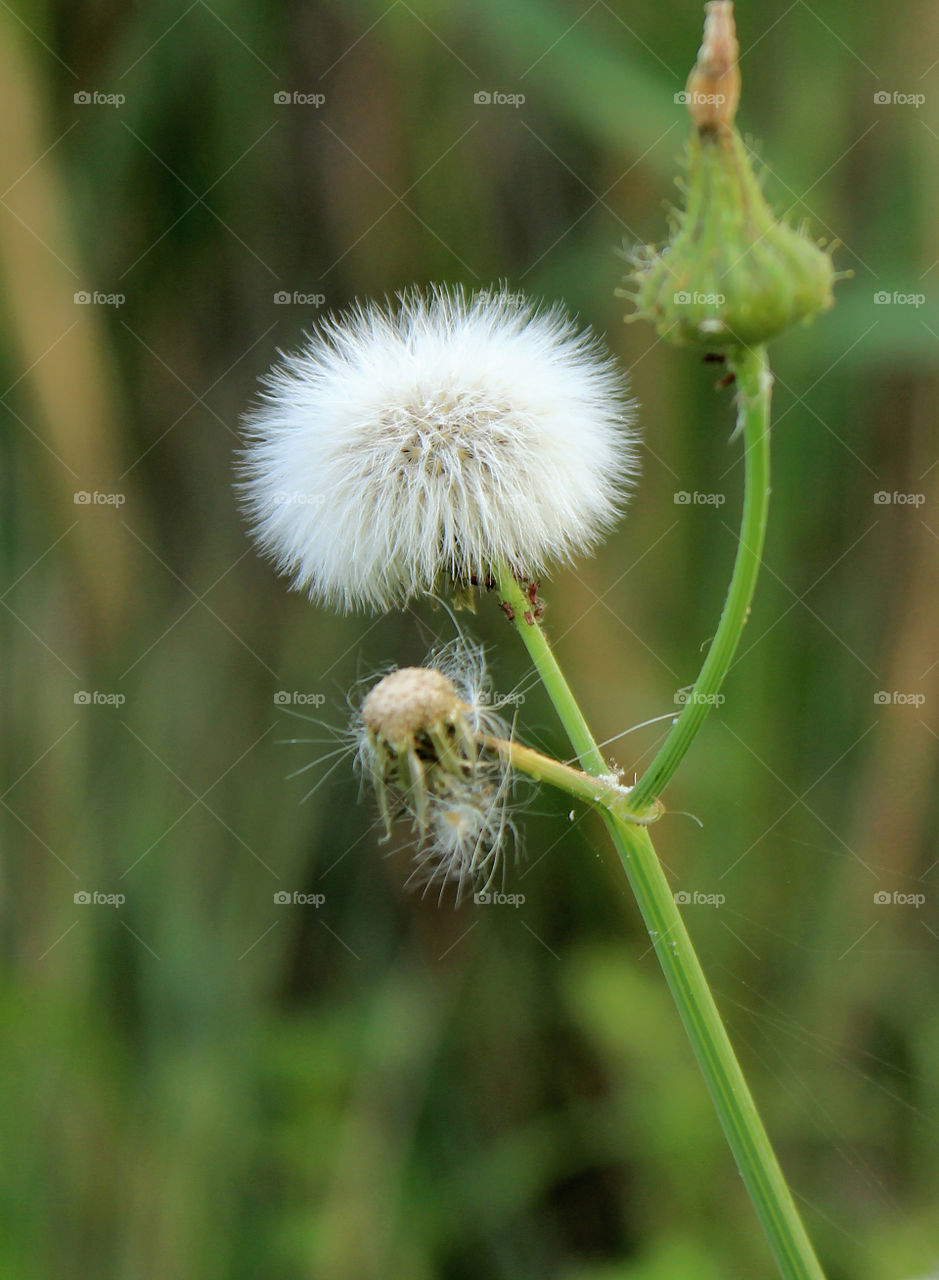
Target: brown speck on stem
[(537, 606)]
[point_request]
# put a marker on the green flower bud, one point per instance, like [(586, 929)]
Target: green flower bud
[(731, 274)]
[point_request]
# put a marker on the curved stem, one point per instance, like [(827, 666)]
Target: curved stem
[(754, 383)]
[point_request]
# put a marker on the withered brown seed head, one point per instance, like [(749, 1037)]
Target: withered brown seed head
[(409, 701)]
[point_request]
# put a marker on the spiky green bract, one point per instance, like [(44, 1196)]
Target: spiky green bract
[(731, 275)]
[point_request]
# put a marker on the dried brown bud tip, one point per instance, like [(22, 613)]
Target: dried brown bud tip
[(713, 88)]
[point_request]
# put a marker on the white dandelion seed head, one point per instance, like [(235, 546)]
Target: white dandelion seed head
[(436, 438)]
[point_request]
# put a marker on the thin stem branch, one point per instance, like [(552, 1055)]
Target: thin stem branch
[(602, 792), (552, 677), (754, 383)]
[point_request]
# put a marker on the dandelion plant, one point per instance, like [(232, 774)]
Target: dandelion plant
[(452, 443)]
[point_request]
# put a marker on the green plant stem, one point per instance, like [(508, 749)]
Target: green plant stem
[(754, 386), (726, 1083), (732, 1099), (552, 677), (604, 793)]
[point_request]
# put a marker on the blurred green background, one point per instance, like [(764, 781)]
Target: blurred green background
[(202, 1082)]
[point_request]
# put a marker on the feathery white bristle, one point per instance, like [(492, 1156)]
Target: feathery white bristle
[(439, 437)]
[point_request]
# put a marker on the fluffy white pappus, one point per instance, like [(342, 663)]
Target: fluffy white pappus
[(466, 839), (434, 438)]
